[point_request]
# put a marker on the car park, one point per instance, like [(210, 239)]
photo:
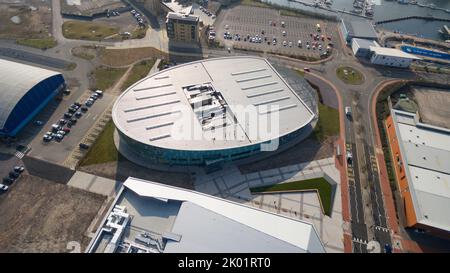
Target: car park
[(3, 187)]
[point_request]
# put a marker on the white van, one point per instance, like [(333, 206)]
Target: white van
[(348, 111)]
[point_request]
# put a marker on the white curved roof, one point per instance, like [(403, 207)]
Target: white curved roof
[(16, 80), (297, 233), (157, 109)]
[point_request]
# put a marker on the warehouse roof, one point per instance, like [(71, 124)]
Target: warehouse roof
[(16, 80), (426, 155), (393, 52), (206, 223), (201, 105), (360, 29), (365, 43)]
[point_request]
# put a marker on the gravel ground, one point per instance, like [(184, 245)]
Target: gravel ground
[(42, 216)]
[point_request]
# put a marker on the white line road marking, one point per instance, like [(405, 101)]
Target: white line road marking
[(95, 117), (88, 115)]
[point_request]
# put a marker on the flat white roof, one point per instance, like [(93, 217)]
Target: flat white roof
[(426, 154), (157, 111), (292, 231), (393, 52)]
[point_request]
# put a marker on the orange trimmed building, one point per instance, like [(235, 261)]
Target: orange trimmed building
[(421, 159)]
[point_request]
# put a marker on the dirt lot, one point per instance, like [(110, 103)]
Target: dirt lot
[(43, 216), (33, 23), (433, 105)]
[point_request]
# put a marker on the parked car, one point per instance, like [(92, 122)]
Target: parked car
[(348, 111), (99, 92), (66, 130), (59, 137), (349, 158), (306, 69), (47, 138), (56, 127), (67, 115), (84, 109), (78, 114), (14, 175), (18, 169), (62, 121), (83, 146), (8, 180), (77, 104), (3, 187)]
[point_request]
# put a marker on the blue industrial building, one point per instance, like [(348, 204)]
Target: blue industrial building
[(24, 91)]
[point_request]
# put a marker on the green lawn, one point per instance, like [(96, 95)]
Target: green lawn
[(87, 30), (320, 185), (139, 71), (255, 3), (103, 150), (328, 124), (44, 43), (350, 75), (105, 77)]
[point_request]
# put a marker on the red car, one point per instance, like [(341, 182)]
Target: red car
[(67, 130)]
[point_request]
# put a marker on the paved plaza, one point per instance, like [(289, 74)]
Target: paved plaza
[(231, 184)]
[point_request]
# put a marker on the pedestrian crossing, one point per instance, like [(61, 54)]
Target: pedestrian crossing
[(382, 228), (19, 155), (361, 241)]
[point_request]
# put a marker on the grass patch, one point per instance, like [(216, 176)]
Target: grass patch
[(255, 3), (320, 185), (71, 66), (121, 57), (103, 150), (87, 30), (44, 43), (139, 71), (105, 77), (328, 124), (350, 75)]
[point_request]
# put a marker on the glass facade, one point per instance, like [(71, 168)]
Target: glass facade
[(158, 155)]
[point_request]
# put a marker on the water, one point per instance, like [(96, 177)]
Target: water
[(385, 10)]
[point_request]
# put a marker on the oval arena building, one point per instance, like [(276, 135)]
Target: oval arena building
[(209, 112)]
